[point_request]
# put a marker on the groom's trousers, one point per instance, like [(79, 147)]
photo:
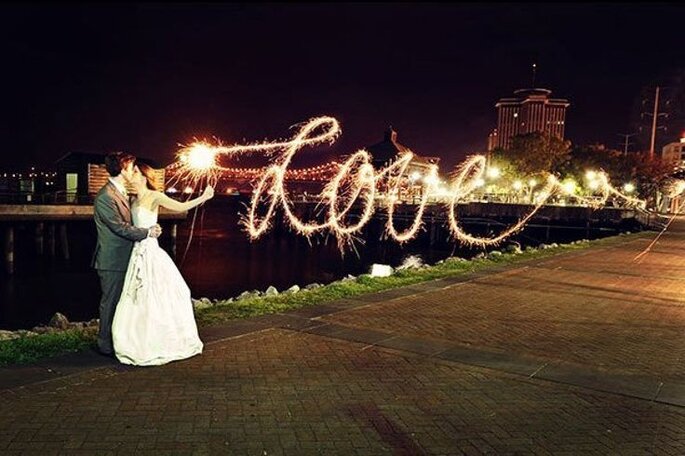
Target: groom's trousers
[(112, 283)]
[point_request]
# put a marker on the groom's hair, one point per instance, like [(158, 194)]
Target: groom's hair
[(116, 161)]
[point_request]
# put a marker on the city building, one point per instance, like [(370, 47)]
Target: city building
[(674, 153), (531, 110)]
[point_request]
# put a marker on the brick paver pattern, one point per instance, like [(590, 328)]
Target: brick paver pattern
[(284, 392), (600, 310), (280, 391)]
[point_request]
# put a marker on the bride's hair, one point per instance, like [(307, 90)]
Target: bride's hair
[(149, 174)]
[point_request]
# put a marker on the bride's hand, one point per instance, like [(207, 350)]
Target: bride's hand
[(208, 193)]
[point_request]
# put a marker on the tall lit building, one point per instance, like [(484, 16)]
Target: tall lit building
[(532, 110)]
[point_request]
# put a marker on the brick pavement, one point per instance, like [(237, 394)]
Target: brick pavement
[(596, 310), (287, 392), (462, 368)]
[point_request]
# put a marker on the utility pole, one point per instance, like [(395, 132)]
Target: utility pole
[(654, 117), (625, 143)]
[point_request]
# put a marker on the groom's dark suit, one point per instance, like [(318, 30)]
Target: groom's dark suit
[(116, 236)]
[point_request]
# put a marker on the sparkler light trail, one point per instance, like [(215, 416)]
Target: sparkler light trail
[(676, 188), (358, 184)]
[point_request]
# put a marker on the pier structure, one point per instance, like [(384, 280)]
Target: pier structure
[(50, 227)]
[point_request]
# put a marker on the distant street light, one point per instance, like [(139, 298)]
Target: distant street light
[(430, 179), (569, 186), (493, 172)]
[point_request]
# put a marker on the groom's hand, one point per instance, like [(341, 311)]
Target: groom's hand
[(155, 231)]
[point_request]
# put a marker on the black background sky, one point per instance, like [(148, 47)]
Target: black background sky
[(143, 78)]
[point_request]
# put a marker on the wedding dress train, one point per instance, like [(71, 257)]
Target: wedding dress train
[(154, 321)]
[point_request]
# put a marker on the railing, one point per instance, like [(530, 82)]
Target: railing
[(651, 220), (58, 197), (72, 198)]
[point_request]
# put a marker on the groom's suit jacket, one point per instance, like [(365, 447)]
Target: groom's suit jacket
[(116, 233)]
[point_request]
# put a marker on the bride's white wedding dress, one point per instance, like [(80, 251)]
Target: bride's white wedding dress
[(154, 321)]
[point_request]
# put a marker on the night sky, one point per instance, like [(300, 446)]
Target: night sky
[(145, 78)]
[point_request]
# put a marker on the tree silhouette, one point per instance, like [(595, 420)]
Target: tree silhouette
[(532, 153)]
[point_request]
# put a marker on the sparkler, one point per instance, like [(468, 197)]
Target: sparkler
[(676, 189), (203, 161), (357, 183), (196, 163)]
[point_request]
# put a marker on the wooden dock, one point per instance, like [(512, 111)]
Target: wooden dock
[(51, 222)]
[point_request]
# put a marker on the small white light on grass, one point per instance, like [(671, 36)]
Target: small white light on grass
[(380, 270)]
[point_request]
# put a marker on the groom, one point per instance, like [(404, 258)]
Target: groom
[(116, 235)]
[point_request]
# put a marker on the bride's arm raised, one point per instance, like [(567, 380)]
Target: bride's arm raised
[(162, 200)]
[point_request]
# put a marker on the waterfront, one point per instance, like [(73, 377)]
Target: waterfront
[(221, 261)]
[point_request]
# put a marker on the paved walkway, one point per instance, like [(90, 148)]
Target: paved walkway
[(581, 353)]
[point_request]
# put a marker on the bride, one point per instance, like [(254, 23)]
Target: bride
[(154, 321)]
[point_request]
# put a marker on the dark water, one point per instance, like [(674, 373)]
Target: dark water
[(221, 261)]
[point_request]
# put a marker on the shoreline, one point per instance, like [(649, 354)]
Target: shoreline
[(61, 336)]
